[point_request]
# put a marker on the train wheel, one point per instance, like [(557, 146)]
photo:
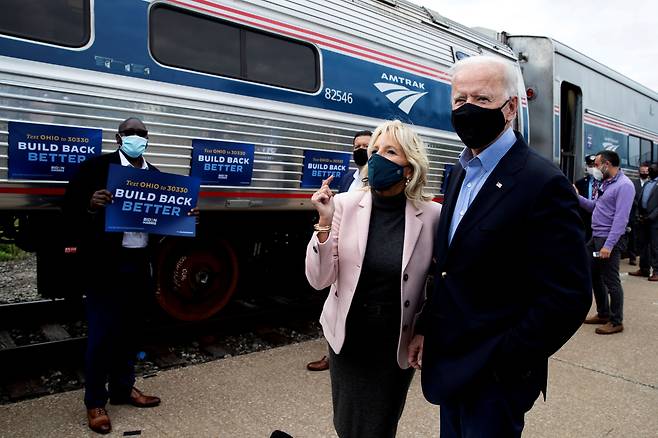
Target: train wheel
[(194, 280)]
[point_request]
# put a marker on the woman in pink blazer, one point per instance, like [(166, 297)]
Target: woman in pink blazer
[(374, 247)]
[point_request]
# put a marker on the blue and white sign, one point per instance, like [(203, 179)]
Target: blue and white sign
[(320, 165), (50, 152), (222, 162), (151, 202)]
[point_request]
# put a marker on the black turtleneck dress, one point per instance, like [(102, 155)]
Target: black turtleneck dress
[(368, 387)]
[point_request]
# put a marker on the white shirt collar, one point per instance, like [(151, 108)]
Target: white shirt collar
[(125, 162)]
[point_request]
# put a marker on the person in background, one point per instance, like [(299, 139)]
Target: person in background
[(512, 279), (351, 181), (634, 245), (374, 248), (588, 186), (610, 213), (116, 272), (647, 223)]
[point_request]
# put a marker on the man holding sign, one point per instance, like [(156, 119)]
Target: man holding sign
[(116, 270)]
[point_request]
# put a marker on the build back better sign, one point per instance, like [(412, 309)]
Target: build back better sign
[(222, 163), (151, 202), (320, 165), (49, 152)]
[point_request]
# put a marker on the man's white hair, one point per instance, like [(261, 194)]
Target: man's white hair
[(510, 73)]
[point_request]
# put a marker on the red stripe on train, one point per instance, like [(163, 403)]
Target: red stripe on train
[(442, 75), (317, 34)]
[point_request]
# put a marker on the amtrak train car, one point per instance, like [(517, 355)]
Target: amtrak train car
[(288, 81), (579, 107)]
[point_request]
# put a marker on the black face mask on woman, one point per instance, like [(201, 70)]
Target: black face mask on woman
[(478, 126)]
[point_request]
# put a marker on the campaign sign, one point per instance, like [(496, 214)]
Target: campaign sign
[(50, 152), (222, 162), (151, 202), (319, 165)]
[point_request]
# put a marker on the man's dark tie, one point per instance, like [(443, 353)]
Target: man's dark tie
[(595, 189)]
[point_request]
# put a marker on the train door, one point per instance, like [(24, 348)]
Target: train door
[(571, 129)]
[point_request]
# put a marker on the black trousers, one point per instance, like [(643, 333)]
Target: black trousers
[(606, 281), (647, 234), (115, 309), (495, 410)]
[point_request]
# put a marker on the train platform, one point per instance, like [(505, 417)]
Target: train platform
[(599, 386)]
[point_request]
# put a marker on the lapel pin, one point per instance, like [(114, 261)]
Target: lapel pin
[(499, 184)]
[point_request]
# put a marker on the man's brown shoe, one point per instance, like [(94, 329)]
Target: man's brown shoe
[(138, 399), (654, 277), (596, 319), (639, 273), (318, 365), (609, 329), (99, 421)]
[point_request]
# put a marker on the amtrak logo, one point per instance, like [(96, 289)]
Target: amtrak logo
[(398, 93)]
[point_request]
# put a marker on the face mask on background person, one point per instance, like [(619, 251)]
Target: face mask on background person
[(597, 174), (133, 145), (477, 126), (360, 157), (383, 173), (644, 176), (590, 170)]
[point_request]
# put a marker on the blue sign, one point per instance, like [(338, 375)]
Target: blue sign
[(151, 202), (319, 165), (222, 162), (50, 152)]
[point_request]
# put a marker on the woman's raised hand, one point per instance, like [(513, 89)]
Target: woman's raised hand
[(324, 203)]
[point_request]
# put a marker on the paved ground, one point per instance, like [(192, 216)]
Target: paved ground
[(600, 386)]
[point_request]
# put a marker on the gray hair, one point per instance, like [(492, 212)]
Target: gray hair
[(510, 73)]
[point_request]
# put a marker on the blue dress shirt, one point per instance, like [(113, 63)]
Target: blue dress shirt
[(646, 193), (477, 170)]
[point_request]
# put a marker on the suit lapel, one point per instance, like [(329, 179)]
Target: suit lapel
[(495, 188), (412, 228), (449, 202), (363, 222)]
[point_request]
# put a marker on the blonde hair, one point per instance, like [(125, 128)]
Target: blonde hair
[(414, 149)]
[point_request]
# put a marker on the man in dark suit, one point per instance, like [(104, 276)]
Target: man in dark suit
[(512, 283), (588, 186), (352, 180), (633, 243), (647, 226), (116, 270)]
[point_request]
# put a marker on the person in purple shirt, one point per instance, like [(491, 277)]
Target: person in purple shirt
[(610, 211)]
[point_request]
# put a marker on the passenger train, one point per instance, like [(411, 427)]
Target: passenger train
[(289, 77)]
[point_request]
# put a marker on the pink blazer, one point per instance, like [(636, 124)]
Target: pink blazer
[(337, 262)]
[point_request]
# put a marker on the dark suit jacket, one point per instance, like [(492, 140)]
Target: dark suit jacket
[(651, 212), (346, 181), (513, 286), (583, 188), (98, 251)]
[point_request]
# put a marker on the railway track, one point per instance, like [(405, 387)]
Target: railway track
[(42, 343)]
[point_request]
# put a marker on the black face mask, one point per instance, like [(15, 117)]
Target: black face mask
[(360, 156), (477, 126)]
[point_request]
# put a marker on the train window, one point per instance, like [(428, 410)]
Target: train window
[(184, 39), (61, 22), (633, 151), (655, 151), (195, 42), (645, 150), (276, 61)]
